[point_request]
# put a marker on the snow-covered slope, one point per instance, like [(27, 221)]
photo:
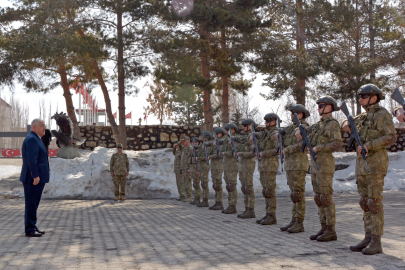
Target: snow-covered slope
[(151, 175)]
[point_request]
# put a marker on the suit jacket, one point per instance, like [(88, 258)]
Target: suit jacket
[(35, 159)]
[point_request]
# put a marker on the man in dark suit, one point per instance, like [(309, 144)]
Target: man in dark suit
[(34, 175)]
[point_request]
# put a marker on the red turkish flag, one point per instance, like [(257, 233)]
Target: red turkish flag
[(10, 152), (52, 152), (128, 116), (115, 115)]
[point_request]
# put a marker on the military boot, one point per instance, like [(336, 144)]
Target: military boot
[(123, 198), (289, 225), (250, 213), (196, 200), (328, 235), (224, 210), (364, 243), (180, 198), (231, 210), (242, 213), (321, 231), (204, 203), (212, 207), (374, 246), (117, 198), (260, 220), (187, 199), (270, 220), (218, 206), (297, 227)]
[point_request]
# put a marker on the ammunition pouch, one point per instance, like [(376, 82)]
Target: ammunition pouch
[(217, 187), (204, 185), (374, 209), (230, 187), (326, 199), (363, 203), (298, 196), (267, 193), (317, 199)]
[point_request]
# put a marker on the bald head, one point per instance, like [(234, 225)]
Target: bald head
[(38, 126)]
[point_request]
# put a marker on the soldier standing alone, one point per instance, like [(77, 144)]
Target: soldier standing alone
[(119, 168), (325, 138), (377, 131)]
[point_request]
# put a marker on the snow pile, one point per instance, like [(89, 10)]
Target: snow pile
[(9, 170), (151, 175)]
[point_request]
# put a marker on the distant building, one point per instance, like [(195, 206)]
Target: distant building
[(5, 121)]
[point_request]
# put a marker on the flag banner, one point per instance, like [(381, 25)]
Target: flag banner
[(128, 116), (115, 115), (10, 152)]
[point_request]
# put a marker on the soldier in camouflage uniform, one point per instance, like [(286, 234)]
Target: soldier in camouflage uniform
[(185, 167), (195, 175), (268, 167), (203, 170), (177, 159), (377, 132), (325, 138), (296, 167), (230, 170), (217, 167), (119, 168), (247, 165)]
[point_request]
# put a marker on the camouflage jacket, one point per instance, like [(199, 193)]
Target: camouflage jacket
[(177, 158), (202, 165), (268, 148), (245, 148), (186, 158), (216, 161), (377, 132), (295, 160), (230, 163), (326, 137), (119, 164)]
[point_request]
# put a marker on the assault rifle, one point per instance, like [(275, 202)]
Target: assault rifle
[(233, 147), (306, 142), (219, 153), (280, 144), (256, 149), (205, 151), (354, 133), (194, 156)]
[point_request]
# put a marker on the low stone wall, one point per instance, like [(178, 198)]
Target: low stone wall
[(138, 137)]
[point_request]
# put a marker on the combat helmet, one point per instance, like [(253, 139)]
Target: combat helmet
[(230, 126), (207, 134), (329, 101), (248, 121), (196, 139), (220, 130), (300, 108), (272, 116), (371, 89)]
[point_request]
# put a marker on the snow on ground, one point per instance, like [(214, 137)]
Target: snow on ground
[(9, 170), (151, 175)]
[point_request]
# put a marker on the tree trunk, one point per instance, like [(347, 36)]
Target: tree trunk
[(300, 86), (121, 82), (372, 40), (357, 59), (225, 86), (207, 93), (68, 99)]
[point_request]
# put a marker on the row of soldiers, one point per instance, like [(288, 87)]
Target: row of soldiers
[(234, 154)]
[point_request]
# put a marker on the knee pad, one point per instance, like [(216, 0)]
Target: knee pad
[(374, 209), (196, 186), (230, 187), (292, 197), (217, 187), (326, 199), (267, 193), (317, 199), (249, 190), (363, 203), (204, 185), (243, 188), (298, 196)]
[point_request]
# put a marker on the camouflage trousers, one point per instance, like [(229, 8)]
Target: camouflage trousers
[(119, 185), (186, 182), (204, 184), (296, 182), (231, 182), (216, 176), (322, 185), (268, 181), (246, 180), (370, 188), (180, 186), (196, 184)]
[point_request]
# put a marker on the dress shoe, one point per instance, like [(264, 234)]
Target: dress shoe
[(33, 234), (38, 231)]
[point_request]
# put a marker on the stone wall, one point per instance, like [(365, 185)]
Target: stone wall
[(138, 137), (155, 137)]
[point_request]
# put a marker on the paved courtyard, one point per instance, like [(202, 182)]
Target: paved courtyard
[(166, 234)]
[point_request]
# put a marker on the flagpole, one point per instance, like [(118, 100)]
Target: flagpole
[(80, 106)]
